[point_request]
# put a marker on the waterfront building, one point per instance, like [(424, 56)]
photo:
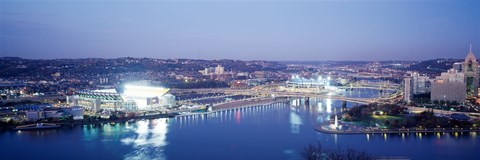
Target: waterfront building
[(470, 71), (51, 112), (128, 98), (449, 86), (408, 91), (96, 100), (301, 84)]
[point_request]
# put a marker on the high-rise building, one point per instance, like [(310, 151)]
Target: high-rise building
[(449, 86), (471, 74), (219, 70), (421, 84), (408, 91), (458, 66)]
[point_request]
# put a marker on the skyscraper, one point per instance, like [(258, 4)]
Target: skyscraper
[(420, 83), (449, 86), (408, 91), (471, 74)]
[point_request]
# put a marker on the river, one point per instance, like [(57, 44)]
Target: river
[(278, 131)]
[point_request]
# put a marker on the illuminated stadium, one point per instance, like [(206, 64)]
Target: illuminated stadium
[(301, 84), (128, 97)]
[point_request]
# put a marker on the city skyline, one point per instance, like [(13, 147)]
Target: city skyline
[(277, 31), (239, 79)]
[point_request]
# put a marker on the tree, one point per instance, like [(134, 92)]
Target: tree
[(312, 152), (395, 123), (387, 123), (113, 117), (454, 103), (442, 102), (316, 152), (356, 155), (335, 156)]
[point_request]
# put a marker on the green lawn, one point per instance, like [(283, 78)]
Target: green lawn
[(375, 119), (386, 117)]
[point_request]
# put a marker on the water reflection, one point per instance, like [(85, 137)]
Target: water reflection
[(237, 117), (319, 107), (276, 131), (295, 121), (37, 132), (329, 105), (90, 132), (149, 141)]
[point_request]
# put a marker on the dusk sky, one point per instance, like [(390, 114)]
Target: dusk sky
[(245, 30)]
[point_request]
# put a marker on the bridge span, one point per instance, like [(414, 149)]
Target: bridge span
[(268, 91)]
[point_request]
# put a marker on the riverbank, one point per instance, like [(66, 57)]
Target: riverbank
[(224, 106), (99, 121), (353, 129)]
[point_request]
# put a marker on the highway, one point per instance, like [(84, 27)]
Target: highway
[(443, 112)]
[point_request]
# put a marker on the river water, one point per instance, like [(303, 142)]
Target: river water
[(278, 131)]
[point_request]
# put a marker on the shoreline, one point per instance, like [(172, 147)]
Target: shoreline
[(362, 130), (148, 117), (103, 121)]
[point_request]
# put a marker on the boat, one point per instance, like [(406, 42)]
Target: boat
[(37, 126)]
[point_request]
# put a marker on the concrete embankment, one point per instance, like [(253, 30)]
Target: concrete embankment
[(324, 129), (240, 104)]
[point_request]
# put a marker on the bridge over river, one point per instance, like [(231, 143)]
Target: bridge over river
[(272, 91)]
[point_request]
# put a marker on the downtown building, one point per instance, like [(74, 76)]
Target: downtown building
[(408, 90), (470, 71), (449, 86), (421, 83), (414, 84), (459, 83)]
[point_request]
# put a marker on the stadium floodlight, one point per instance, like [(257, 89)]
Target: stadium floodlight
[(142, 87), (141, 93)]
